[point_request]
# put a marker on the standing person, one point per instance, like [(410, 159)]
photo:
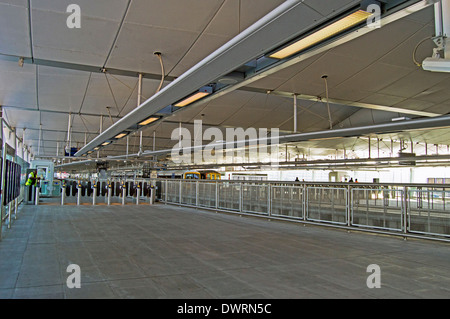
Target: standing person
[(297, 180), (351, 180), (31, 181), (32, 178)]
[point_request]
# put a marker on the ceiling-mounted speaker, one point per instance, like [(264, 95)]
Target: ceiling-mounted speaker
[(231, 78)]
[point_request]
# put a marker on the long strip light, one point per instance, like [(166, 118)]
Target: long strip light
[(323, 34), (149, 120), (121, 135), (195, 97)]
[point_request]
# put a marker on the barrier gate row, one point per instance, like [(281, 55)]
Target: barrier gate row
[(417, 209), (122, 192)]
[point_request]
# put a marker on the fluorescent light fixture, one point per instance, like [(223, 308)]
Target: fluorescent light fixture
[(148, 121), (97, 148), (323, 34), (106, 143), (195, 97), (436, 65), (121, 135)]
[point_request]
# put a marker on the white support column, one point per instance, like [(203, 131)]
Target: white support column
[(63, 194), (94, 194), (442, 21), (295, 113), (139, 104)]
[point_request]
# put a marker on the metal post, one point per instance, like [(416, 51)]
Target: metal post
[(295, 113), (79, 194), (63, 195), (217, 195), (16, 207), (123, 193), (165, 193), (378, 147), (304, 199), (38, 189), (68, 132), (139, 104), (392, 148), (152, 192), (196, 193), (139, 90), (349, 200), (405, 210), (109, 194), (40, 137), (138, 194), (9, 214), (94, 195)]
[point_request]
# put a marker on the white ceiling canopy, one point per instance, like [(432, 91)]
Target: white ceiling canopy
[(62, 75)]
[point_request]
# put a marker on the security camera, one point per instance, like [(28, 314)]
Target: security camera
[(436, 65)]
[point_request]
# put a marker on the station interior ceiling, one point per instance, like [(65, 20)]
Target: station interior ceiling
[(90, 75)]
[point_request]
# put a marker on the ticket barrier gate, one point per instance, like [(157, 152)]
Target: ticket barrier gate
[(108, 190)]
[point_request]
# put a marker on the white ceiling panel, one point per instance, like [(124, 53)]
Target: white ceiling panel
[(88, 45), (22, 118), (104, 9), (59, 102), (14, 29), (206, 43), (375, 77), (413, 104), (253, 10), (192, 15), (376, 68), (137, 43), (382, 99), (415, 83), (17, 85), (62, 84), (338, 68), (324, 8), (440, 108)]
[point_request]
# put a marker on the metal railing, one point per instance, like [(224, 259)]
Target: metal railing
[(409, 210)]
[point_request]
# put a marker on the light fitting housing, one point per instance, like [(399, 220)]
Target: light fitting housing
[(204, 91), (325, 33), (150, 120), (121, 135)]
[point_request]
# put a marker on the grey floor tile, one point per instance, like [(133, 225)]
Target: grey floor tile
[(174, 252)]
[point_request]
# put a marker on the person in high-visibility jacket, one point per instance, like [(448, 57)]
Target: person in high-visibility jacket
[(32, 179)]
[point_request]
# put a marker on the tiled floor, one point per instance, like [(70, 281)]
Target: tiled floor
[(170, 252)]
